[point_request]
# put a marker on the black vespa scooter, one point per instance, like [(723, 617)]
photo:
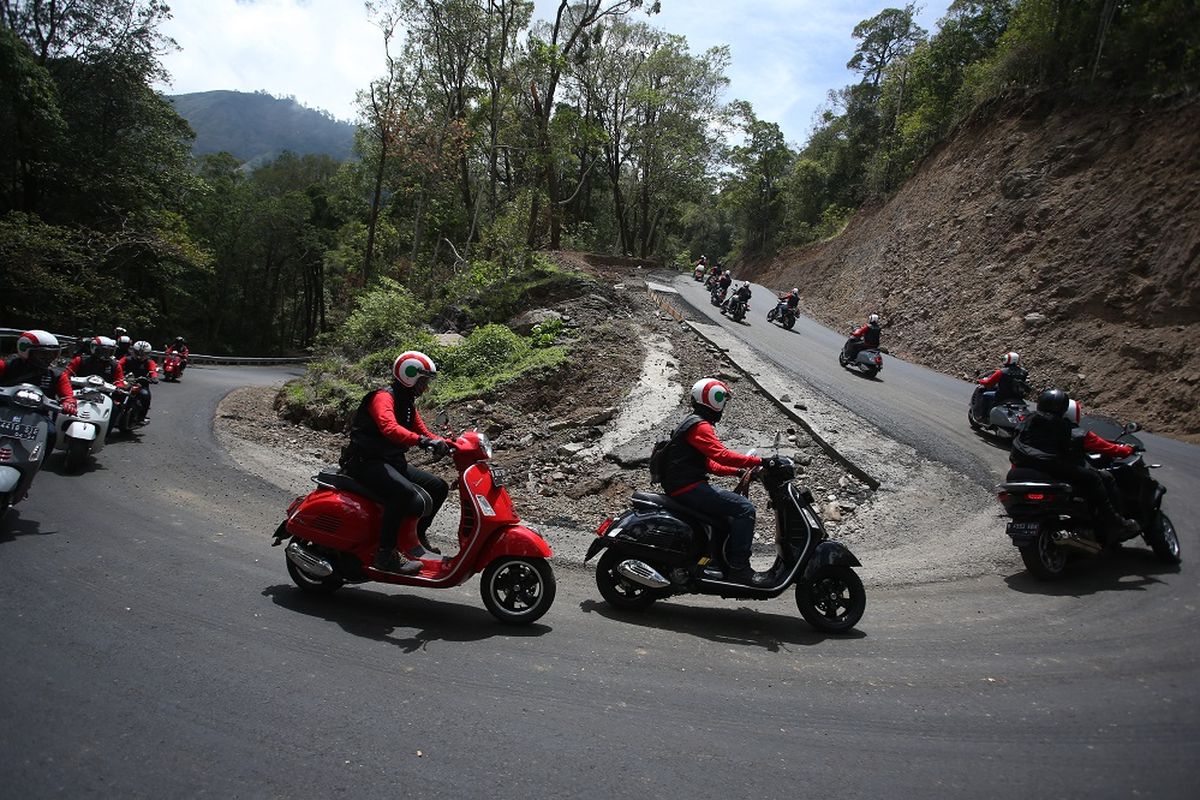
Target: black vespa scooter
[(661, 548)]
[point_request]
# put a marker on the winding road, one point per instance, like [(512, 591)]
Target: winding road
[(154, 646)]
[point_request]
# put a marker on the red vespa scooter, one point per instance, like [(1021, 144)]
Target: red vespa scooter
[(333, 533)]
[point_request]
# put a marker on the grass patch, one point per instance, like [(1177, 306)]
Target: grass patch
[(462, 387)]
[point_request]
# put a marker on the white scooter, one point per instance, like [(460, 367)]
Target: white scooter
[(82, 434)]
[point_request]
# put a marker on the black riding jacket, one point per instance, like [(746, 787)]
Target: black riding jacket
[(1045, 437)]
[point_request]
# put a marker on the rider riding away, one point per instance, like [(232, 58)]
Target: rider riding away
[(36, 351), (385, 426), (694, 452), (1051, 441), (864, 338), (791, 300), (1006, 384)]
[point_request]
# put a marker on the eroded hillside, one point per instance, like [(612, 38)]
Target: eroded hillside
[(1069, 234)]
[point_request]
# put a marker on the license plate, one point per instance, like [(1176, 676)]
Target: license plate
[(1024, 529), (17, 430), (499, 476)]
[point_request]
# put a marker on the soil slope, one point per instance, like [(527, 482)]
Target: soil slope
[(1068, 234)]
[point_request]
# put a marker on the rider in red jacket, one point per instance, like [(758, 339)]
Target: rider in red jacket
[(99, 362), (36, 351)]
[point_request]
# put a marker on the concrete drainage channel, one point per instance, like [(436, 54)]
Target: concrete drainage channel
[(925, 523)]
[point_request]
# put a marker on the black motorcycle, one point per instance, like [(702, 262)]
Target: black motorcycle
[(783, 314), (661, 548), (735, 308), (1050, 523), (717, 298), (131, 406)]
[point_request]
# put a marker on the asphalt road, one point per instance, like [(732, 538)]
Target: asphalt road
[(154, 646)]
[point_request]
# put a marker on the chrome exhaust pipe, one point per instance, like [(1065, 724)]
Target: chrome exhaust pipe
[(1072, 540), (643, 573), (307, 562)]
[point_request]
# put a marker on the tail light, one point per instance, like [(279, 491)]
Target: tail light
[(878, 359), (6, 455), (604, 526)]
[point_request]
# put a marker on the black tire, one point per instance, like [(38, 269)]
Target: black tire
[(971, 421), (309, 583), (76, 456), (1044, 559), (789, 322), (833, 601), (871, 372), (842, 359), (517, 590), (1163, 540), (617, 590)]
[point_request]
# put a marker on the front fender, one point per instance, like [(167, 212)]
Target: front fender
[(829, 553), (598, 544), (9, 478), (514, 540), (81, 430)]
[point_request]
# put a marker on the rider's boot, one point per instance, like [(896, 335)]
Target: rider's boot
[(395, 562)]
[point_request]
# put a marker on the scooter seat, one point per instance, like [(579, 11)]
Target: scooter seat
[(338, 480), (667, 502)]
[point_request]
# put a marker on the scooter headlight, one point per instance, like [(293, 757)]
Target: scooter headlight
[(30, 398), (485, 444)]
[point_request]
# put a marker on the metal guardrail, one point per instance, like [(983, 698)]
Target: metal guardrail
[(193, 358)]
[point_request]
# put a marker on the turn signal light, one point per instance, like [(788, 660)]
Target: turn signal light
[(604, 526)]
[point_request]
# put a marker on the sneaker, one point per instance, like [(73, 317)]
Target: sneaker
[(394, 562)]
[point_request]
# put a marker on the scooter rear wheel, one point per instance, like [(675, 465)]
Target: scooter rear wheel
[(617, 590), (517, 590), (833, 601), (1044, 559), (311, 583)]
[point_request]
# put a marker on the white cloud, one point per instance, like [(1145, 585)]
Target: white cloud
[(786, 54)]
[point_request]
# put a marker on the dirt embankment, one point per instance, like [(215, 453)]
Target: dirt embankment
[(1068, 234)]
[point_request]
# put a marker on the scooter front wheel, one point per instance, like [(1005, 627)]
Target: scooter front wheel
[(833, 601), (517, 590), (76, 456)]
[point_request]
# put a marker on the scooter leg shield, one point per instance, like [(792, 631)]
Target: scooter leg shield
[(829, 553), (515, 540)]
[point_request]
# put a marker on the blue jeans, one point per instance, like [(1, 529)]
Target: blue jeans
[(722, 503)]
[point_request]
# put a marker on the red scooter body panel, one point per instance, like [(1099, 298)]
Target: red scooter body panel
[(515, 540), (337, 519)]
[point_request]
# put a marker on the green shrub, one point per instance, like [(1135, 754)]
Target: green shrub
[(383, 317), (487, 349), (544, 334)]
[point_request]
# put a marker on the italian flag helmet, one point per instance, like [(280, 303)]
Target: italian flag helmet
[(711, 393), (411, 366), (30, 341)]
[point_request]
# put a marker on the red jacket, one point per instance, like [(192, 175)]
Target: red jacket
[(1098, 444), (131, 363), (721, 460), (76, 363), (381, 410), (61, 383), (991, 380)]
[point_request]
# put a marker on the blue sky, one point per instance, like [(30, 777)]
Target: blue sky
[(786, 54)]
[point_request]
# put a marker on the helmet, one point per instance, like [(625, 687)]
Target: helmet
[(179, 340), (140, 350), (1074, 411), (873, 319), (103, 347), (119, 332), (38, 347), (795, 290), (410, 367), (125, 340), (1053, 401), (1011, 359), (710, 393)]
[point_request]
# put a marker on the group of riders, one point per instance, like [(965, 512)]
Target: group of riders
[(116, 359)]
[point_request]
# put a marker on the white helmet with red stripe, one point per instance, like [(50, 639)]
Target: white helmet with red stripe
[(38, 347), (710, 393), (1012, 359), (411, 366), (1074, 412)]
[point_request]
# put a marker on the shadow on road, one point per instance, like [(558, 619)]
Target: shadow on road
[(735, 626), (12, 525), (378, 616), (1130, 569)]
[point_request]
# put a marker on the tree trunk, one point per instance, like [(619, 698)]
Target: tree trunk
[(373, 220)]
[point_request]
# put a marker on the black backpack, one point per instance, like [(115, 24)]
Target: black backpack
[(658, 454)]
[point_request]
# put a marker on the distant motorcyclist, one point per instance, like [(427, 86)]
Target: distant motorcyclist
[(789, 301), (383, 429), (178, 346), (864, 338), (123, 345), (1006, 384), (699, 267), (1051, 441), (139, 364), (742, 294), (694, 452), (36, 351), (99, 362)]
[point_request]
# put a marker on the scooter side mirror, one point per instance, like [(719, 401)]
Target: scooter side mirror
[(1132, 427)]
